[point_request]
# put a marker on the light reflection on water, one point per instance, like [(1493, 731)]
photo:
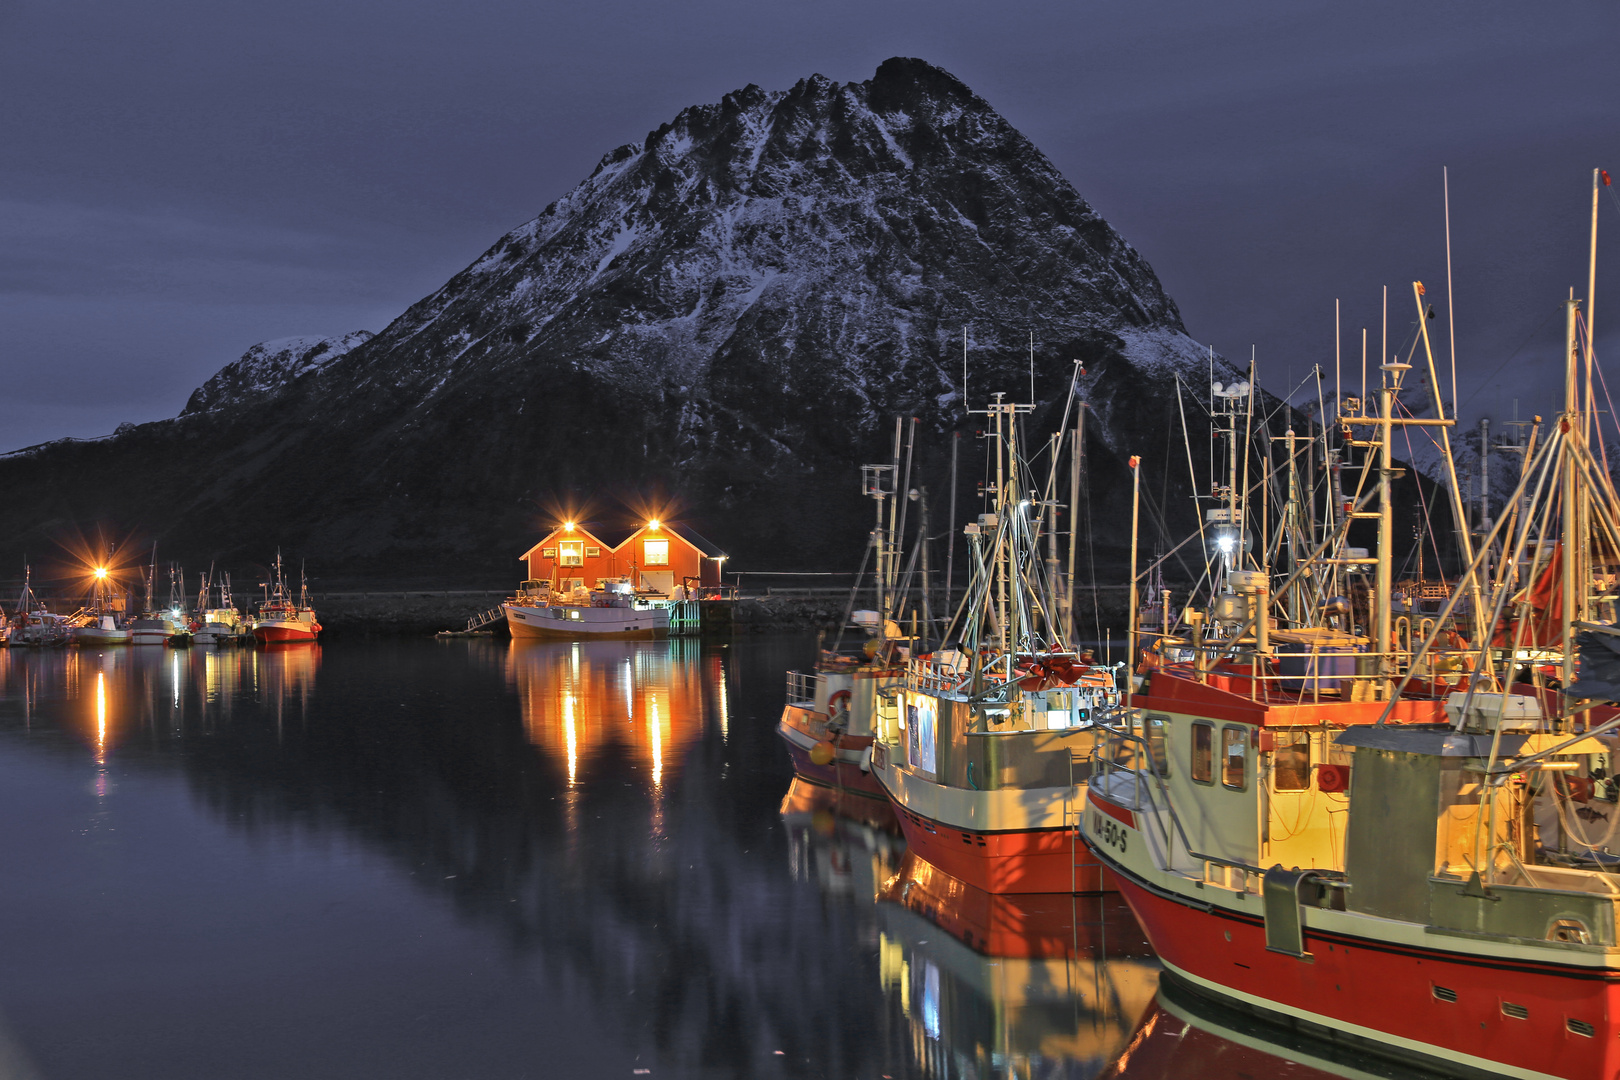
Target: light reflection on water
[(589, 843)]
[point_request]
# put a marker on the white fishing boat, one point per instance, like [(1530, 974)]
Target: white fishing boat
[(222, 624), (612, 611), (101, 622), (33, 625), (986, 749)]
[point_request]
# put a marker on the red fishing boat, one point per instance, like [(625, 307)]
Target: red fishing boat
[(281, 619), (986, 750), (1423, 870)]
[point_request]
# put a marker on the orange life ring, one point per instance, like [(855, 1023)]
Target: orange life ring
[(832, 703)]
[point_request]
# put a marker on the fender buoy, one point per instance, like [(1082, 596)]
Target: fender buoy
[(822, 753), (866, 758), (841, 698)]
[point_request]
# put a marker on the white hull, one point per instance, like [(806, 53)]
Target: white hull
[(578, 621)]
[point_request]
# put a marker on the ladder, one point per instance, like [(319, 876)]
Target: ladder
[(493, 615)]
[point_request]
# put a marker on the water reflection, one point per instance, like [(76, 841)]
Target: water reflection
[(607, 820), (645, 701)]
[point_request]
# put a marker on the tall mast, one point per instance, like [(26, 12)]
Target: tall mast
[(1573, 542), (1075, 452), (1386, 532), (1001, 509)]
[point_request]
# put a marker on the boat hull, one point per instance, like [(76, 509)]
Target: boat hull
[(279, 633), (1389, 996), (850, 767), (575, 622), (997, 856), (95, 635)]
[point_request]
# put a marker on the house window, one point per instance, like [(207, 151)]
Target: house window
[(1291, 762), (571, 553), (1203, 745), (1234, 756), (593, 553), (657, 552)]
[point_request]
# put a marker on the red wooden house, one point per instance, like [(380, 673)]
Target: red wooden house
[(656, 556)]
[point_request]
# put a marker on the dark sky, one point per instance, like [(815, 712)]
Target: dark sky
[(180, 180)]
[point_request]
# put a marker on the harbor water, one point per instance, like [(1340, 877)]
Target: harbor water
[(481, 858)]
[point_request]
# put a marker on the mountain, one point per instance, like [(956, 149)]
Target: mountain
[(720, 322), (267, 368)]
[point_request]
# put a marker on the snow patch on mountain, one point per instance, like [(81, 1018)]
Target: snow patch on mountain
[(268, 367)]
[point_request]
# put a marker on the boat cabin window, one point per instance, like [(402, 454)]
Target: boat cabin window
[(571, 553), (1234, 756), (1157, 733), (657, 552), (1291, 761), (1203, 746)]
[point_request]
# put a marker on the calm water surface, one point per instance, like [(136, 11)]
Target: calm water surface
[(491, 859)]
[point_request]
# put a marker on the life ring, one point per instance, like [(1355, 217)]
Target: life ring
[(841, 697)]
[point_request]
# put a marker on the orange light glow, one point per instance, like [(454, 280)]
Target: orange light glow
[(653, 524), (101, 572), (568, 525)]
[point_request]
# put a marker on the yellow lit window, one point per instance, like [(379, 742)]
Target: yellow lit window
[(571, 553), (657, 552)]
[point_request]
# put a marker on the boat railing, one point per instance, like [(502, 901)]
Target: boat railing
[(1316, 675), (1122, 758), (925, 674), (801, 688)]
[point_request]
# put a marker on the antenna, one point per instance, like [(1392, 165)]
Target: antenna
[(1338, 348), (1032, 358), (965, 407), (1451, 317)]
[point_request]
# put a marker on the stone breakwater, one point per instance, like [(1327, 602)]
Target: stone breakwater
[(427, 611)]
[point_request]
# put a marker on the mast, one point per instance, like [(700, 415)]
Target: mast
[(886, 550), (1055, 443), (1386, 533), (1001, 508), (1136, 506), (1076, 450), (950, 548), (1573, 542)]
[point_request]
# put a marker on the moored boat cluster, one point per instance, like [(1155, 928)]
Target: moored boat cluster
[(212, 617), (1383, 812)]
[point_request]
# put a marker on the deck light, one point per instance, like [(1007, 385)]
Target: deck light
[(101, 572)]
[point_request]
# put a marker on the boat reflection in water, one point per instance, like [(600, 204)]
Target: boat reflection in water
[(106, 695), (848, 844), (650, 698), (1183, 1035), (1010, 984)]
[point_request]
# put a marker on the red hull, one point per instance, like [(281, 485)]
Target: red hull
[(1388, 991), (1034, 926), (277, 635), (1025, 861)]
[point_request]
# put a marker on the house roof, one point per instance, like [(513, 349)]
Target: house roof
[(696, 539), (615, 537)]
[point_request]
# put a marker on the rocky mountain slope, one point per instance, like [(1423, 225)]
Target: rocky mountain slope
[(266, 369), (725, 316)]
